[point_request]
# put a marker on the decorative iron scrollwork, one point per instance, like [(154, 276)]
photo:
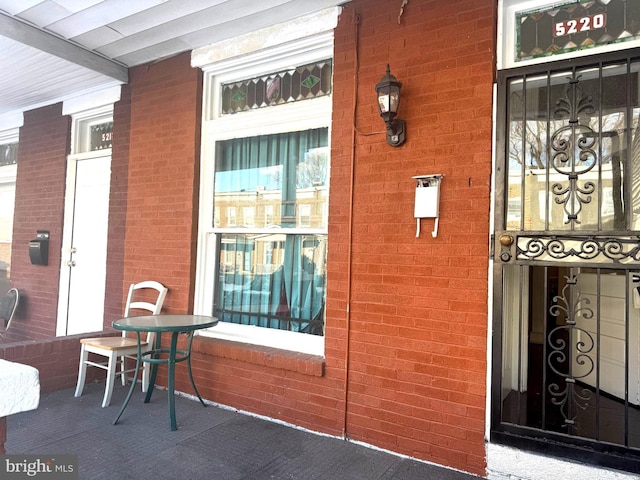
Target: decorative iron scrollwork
[(591, 248), (570, 346), (573, 151)]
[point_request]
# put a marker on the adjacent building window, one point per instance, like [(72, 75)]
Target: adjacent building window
[(8, 166), (8, 154)]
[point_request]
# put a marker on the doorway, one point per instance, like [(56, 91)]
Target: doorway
[(84, 243), (566, 365)]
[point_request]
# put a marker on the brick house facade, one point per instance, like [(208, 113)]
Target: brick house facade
[(407, 318)]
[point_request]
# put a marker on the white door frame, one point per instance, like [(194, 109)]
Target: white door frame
[(80, 151), (67, 238)]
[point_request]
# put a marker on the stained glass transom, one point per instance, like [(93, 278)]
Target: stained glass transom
[(101, 136), (301, 83), (576, 26)]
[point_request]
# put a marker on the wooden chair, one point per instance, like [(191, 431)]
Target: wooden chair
[(123, 347)]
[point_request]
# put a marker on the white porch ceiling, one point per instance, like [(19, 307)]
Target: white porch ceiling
[(52, 50)]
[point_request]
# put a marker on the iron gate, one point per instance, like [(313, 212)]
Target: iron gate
[(566, 366)]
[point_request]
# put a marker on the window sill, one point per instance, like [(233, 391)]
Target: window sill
[(267, 337), (304, 363)]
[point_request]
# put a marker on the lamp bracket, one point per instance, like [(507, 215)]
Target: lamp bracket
[(396, 132)]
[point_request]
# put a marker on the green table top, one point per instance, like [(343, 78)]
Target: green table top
[(164, 323)]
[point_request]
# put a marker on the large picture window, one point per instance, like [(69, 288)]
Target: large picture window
[(272, 280), (264, 196)]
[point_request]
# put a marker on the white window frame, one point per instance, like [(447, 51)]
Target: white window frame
[(290, 117), (248, 216), (268, 215)]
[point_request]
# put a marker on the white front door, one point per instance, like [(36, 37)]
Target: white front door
[(84, 249), (618, 321)]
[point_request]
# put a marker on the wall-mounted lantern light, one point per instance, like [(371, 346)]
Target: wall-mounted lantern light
[(388, 89)]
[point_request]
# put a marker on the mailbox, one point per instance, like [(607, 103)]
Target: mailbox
[(39, 248), (427, 200)]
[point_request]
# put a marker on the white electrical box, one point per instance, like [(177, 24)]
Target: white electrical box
[(427, 201)]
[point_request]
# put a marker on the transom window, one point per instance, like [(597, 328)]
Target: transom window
[(291, 85)]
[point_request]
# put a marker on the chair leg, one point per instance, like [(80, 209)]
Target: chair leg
[(145, 376), (82, 371), (111, 377), (123, 367)]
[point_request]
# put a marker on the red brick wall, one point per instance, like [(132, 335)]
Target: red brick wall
[(163, 180), (115, 290), (39, 205), (56, 359), (417, 322)]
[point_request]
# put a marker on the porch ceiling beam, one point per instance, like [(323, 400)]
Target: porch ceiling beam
[(61, 48)]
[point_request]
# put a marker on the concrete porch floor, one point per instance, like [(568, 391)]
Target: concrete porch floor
[(210, 443)]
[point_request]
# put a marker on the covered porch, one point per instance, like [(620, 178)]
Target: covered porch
[(212, 442)]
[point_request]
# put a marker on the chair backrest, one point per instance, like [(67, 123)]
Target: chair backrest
[(8, 305), (133, 302)]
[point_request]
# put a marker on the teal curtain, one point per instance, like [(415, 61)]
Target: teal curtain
[(280, 295), (304, 285), (288, 295)]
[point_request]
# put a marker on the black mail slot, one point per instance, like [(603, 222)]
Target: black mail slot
[(39, 248)]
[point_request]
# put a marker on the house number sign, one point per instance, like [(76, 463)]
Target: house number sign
[(575, 25), (101, 136), (582, 24)]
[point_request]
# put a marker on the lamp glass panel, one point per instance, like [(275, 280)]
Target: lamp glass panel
[(388, 100)]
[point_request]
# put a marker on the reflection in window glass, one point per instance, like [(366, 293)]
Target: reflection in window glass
[(272, 278), (273, 281), (567, 145), (272, 174)]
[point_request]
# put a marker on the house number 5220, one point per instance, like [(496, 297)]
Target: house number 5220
[(582, 24)]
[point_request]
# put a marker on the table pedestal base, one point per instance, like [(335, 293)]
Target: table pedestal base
[(173, 356)]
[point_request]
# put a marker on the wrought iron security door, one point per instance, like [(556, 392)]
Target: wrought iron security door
[(567, 259)]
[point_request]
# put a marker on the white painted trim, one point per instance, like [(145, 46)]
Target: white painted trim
[(490, 291), (91, 101), (67, 235), (8, 173), (507, 463), (40, 39), (267, 38), (83, 118), (11, 121), (267, 337), (9, 135)]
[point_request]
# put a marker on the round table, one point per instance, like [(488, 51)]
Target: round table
[(175, 324)]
